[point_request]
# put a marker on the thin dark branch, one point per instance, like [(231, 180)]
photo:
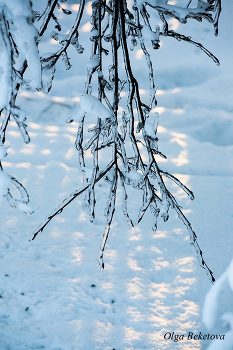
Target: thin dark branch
[(69, 199)]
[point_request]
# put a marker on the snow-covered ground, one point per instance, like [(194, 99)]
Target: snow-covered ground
[(53, 295)]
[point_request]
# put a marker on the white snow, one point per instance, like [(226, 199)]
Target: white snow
[(19, 15), (151, 128), (228, 341), (24, 207), (5, 76), (211, 301), (91, 104), (53, 295), (149, 34)]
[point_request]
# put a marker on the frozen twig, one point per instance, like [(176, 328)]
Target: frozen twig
[(69, 199), (113, 24)]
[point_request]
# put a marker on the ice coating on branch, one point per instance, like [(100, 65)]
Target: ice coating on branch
[(88, 172), (5, 76), (154, 3), (91, 104), (134, 175), (17, 7), (94, 32), (165, 209), (134, 178), (93, 62), (148, 34), (24, 39), (19, 16), (59, 37), (151, 128), (20, 113), (181, 13), (24, 207), (5, 184)]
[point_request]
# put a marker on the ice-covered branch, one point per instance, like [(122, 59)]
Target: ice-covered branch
[(114, 24), (19, 51), (69, 199), (113, 27)]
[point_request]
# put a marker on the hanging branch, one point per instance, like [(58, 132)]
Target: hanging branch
[(48, 15), (69, 199), (181, 37), (113, 26), (13, 79), (65, 41), (114, 23)]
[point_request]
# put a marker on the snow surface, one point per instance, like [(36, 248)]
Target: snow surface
[(53, 295)]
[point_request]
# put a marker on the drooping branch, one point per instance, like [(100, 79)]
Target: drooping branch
[(48, 13), (113, 25), (187, 39), (71, 38), (69, 199)]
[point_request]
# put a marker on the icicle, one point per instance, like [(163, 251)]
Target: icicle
[(124, 202), (50, 80), (155, 212), (66, 60)]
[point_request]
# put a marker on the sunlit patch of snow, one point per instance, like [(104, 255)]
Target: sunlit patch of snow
[(71, 129), (139, 54), (50, 134), (34, 125), (160, 110), (179, 141), (88, 8), (23, 165), (14, 133), (178, 111), (69, 154), (123, 93), (184, 264), (27, 150), (45, 151), (161, 128), (26, 94), (7, 164), (70, 137), (86, 27), (160, 234), (58, 99), (184, 178), (174, 24), (75, 7), (135, 238), (160, 92), (52, 128), (175, 91), (143, 91), (160, 264), (76, 99), (182, 158), (53, 42)]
